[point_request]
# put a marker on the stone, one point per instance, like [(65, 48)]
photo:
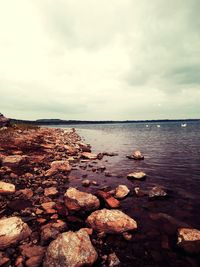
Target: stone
[(157, 192), (12, 230), (52, 229), (58, 166), (113, 260), (111, 221), (77, 200), (109, 199), (6, 188), (12, 161), (189, 240), (50, 191), (121, 191), (73, 249), (88, 155), (136, 175)]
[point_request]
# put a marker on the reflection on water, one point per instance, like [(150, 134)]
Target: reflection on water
[(172, 160)]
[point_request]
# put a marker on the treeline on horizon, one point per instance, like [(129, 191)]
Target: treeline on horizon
[(76, 122)]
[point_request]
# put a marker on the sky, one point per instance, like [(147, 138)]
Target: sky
[(100, 59)]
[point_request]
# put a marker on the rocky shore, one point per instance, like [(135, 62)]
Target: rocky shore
[(45, 220)]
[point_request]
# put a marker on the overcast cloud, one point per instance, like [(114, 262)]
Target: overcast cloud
[(100, 59)]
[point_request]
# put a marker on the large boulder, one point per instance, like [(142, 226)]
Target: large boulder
[(111, 221), (77, 200), (58, 166), (12, 230), (189, 240), (6, 188), (71, 249)]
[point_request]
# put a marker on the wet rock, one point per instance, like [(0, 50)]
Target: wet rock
[(72, 249), (109, 199), (12, 161), (58, 166), (113, 260), (12, 230), (51, 191), (121, 191), (88, 155), (6, 188), (189, 239), (77, 200), (157, 192), (86, 183), (111, 221), (136, 175), (52, 229), (137, 155)]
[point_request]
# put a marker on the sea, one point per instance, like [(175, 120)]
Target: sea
[(172, 162)]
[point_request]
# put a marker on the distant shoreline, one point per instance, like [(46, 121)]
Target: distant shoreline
[(78, 122)]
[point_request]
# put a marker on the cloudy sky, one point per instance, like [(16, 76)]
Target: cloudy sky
[(100, 59)]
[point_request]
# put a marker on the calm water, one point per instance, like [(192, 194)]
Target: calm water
[(172, 160)]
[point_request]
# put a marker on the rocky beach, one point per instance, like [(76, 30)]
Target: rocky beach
[(56, 208)]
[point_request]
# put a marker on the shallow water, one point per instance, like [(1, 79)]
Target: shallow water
[(172, 160)]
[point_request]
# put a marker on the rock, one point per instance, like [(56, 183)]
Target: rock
[(88, 155), (86, 182), (189, 240), (6, 188), (109, 199), (12, 161), (157, 192), (113, 260), (73, 249), (51, 191), (77, 200), (58, 166), (52, 229), (111, 221), (12, 230), (136, 175), (121, 191), (137, 155)]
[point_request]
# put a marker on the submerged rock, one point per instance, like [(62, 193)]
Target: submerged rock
[(121, 191), (6, 188), (71, 249), (136, 175), (12, 230), (189, 240), (111, 221), (58, 166), (157, 192), (77, 200)]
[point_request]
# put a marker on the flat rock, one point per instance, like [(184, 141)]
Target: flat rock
[(189, 240), (6, 188), (136, 175), (77, 200), (111, 221), (109, 199), (72, 249), (12, 230), (58, 166), (88, 155), (121, 191)]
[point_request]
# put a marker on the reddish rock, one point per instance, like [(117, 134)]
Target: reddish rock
[(111, 221), (109, 199), (72, 249), (12, 230), (77, 200), (6, 188)]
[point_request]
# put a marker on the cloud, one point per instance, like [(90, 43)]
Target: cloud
[(92, 59)]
